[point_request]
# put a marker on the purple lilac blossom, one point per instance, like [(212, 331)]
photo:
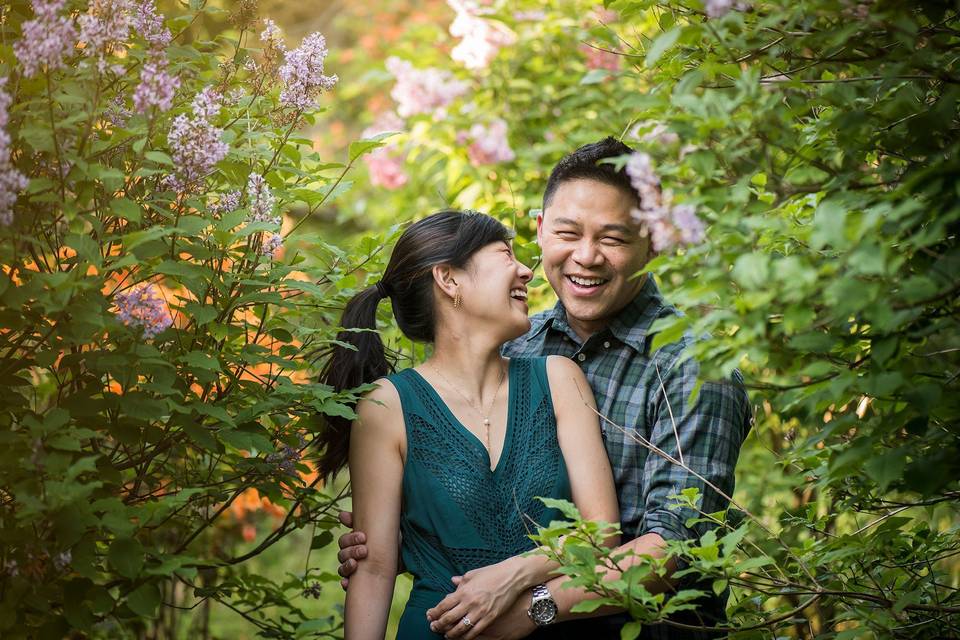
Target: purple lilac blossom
[(272, 245), (196, 147), (149, 24), (105, 25), (262, 201), (46, 39), (156, 88), (143, 307), (666, 224), (228, 202), (302, 73), (206, 104), (422, 90), (12, 182)]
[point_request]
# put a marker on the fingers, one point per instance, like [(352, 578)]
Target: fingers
[(352, 539), (443, 607), (344, 583), (346, 518), (447, 623)]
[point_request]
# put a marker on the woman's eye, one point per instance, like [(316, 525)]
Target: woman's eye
[(613, 241)]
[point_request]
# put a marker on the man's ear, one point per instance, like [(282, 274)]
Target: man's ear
[(540, 228), (444, 277)]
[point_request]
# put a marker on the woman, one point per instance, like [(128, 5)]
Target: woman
[(452, 454)]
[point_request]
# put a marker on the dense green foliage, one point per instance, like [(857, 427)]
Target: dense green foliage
[(816, 139), (146, 437)]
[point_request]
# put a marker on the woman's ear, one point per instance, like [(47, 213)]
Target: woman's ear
[(445, 277)]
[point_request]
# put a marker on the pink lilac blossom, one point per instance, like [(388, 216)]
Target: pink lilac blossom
[(385, 163), (105, 26), (46, 39), (156, 87), (535, 15), (481, 39), (262, 200), (12, 182), (143, 307), (600, 58), (653, 133), (666, 224), (302, 73), (272, 246), (490, 144), (604, 16), (196, 147), (720, 8), (422, 90), (149, 24)]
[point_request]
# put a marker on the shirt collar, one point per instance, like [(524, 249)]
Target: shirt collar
[(630, 326)]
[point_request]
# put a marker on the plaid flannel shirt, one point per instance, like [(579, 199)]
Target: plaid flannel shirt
[(645, 396)]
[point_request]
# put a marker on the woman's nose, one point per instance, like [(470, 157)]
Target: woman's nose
[(525, 272)]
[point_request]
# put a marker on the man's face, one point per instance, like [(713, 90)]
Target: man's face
[(591, 249)]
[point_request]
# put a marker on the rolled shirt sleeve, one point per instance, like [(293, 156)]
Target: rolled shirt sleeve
[(709, 433)]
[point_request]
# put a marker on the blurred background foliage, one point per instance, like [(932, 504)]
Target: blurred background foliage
[(817, 141)]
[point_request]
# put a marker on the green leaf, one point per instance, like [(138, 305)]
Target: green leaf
[(631, 630), (829, 225), (321, 540), (145, 600), (126, 209), (663, 42), (126, 555)]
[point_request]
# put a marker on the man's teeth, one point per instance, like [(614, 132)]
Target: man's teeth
[(520, 294), (587, 282)]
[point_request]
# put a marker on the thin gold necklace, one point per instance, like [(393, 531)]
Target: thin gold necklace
[(485, 416)]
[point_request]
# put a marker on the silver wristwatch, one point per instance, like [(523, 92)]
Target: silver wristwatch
[(543, 610)]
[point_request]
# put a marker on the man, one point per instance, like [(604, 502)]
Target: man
[(592, 250)]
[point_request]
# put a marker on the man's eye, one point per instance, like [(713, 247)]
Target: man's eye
[(610, 240), (566, 234)]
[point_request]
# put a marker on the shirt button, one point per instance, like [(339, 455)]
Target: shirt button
[(606, 344), (581, 357)]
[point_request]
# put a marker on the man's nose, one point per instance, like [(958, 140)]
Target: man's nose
[(587, 254)]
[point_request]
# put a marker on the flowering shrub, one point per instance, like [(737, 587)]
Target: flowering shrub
[(161, 319), (798, 162)]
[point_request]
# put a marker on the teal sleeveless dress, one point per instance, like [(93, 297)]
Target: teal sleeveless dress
[(457, 514)]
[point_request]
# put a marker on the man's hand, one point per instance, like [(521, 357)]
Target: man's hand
[(352, 549), (513, 624)]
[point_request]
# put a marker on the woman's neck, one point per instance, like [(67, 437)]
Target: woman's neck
[(475, 367)]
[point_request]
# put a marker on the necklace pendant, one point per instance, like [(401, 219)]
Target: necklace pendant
[(486, 422)]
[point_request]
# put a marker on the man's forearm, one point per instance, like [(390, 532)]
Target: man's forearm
[(650, 544)]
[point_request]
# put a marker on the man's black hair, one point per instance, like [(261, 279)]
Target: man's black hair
[(584, 164)]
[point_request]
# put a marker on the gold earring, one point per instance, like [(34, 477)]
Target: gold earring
[(457, 300)]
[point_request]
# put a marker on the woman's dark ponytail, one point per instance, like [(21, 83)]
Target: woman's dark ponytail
[(349, 368), (447, 237)]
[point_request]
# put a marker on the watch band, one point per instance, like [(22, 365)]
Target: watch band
[(543, 609)]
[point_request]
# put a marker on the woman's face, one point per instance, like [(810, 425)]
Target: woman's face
[(493, 287)]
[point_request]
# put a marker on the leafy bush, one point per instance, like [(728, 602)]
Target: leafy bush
[(161, 316), (817, 143)]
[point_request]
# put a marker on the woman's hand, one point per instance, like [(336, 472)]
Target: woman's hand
[(482, 595)]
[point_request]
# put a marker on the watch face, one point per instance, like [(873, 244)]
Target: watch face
[(543, 611)]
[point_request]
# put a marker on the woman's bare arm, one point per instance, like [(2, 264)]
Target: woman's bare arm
[(377, 442)]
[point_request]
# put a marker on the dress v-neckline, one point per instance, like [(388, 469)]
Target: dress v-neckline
[(471, 436)]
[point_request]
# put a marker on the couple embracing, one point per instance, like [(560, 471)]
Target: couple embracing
[(450, 456)]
